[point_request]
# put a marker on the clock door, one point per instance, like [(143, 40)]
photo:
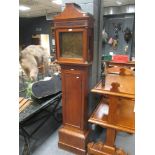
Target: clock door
[(72, 83), (71, 45)]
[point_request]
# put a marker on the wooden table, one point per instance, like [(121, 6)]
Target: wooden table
[(115, 112)]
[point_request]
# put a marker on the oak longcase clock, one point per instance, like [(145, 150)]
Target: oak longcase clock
[(74, 52)]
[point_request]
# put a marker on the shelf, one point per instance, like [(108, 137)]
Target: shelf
[(126, 88), (124, 120)]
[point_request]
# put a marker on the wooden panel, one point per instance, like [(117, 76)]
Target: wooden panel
[(127, 84), (72, 24), (125, 115), (73, 98)]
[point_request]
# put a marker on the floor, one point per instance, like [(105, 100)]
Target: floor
[(45, 141)]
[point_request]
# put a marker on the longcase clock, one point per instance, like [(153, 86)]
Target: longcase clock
[(74, 52)]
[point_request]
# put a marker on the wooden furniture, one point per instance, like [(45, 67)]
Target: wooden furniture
[(121, 64), (115, 112), (130, 63), (74, 52), (115, 67)]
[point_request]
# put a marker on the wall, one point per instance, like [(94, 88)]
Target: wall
[(32, 26), (127, 20)]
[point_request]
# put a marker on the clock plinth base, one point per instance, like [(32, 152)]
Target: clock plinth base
[(73, 141)]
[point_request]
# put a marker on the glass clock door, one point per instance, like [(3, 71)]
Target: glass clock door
[(71, 44)]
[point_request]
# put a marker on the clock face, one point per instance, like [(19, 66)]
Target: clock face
[(71, 44)]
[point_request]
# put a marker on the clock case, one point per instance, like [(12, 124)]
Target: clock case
[(76, 76)]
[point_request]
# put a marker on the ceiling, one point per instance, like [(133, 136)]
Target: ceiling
[(108, 3), (38, 8), (43, 7)]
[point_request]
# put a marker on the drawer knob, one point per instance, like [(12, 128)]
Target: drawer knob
[(77, 77), (72, 69)]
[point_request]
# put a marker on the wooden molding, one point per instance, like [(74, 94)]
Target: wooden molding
[(71, 11)]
